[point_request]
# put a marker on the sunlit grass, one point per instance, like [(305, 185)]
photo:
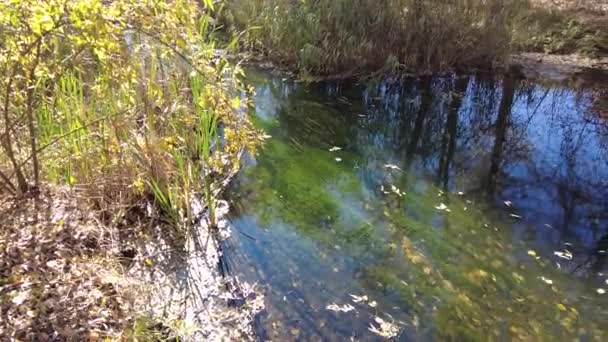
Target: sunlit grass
[(335, 36)]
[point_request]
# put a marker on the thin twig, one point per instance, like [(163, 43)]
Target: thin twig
[(60, 137), (6, 141), (30, 116), (174, 49), (6, 184), (12, 126)]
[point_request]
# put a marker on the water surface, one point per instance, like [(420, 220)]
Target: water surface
[(457, 207)]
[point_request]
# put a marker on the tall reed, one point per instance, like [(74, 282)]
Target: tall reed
[(334, 36)]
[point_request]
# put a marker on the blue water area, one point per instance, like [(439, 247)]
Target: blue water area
[(455, 207)]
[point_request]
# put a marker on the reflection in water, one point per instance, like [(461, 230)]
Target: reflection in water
[(448, 145), (455, 207), (500, 128)]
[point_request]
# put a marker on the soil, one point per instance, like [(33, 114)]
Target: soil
[(557, 67), (589, 6), (65, 275)]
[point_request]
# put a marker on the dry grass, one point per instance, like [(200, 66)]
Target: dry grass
[(331, 38), (335, 36), (120, 102), (562, 27), (597, 6)]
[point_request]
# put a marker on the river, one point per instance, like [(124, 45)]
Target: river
[(455, 207)]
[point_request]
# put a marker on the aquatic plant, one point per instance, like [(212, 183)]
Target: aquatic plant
[(371, 224)]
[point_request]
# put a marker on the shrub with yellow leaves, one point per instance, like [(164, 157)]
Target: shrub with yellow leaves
[(117, 95)]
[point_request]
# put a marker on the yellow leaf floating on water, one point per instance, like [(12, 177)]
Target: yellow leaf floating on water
[(547, 280), (385, 329), (358, 299), (442, 207), (531, 253), (397, 191), (392, 167), (561, 306), (564, 255), (338, 308)]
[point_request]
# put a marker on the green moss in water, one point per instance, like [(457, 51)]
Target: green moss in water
[(458, 274), (301, 186)]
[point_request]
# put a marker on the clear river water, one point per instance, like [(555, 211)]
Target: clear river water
[(441, 208)]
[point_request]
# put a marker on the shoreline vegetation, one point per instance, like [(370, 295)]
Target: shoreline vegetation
[(120, 126), (344, 39)]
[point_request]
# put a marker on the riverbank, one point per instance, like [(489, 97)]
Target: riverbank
[(339, 40), (533, 65), (68, 273), (557, 67), (119, 131)]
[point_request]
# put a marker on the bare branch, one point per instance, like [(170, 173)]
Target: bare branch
[(30, 115), (6, 142), (60, 137), (6, 184)]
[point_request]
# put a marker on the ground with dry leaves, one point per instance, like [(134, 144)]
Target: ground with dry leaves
[(65, 275), (52, 266)]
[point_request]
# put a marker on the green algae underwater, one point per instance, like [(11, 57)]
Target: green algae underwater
[(401, 210)]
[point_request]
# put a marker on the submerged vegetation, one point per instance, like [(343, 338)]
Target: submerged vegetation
[(329, 37), (376, 204), (448, 266)]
